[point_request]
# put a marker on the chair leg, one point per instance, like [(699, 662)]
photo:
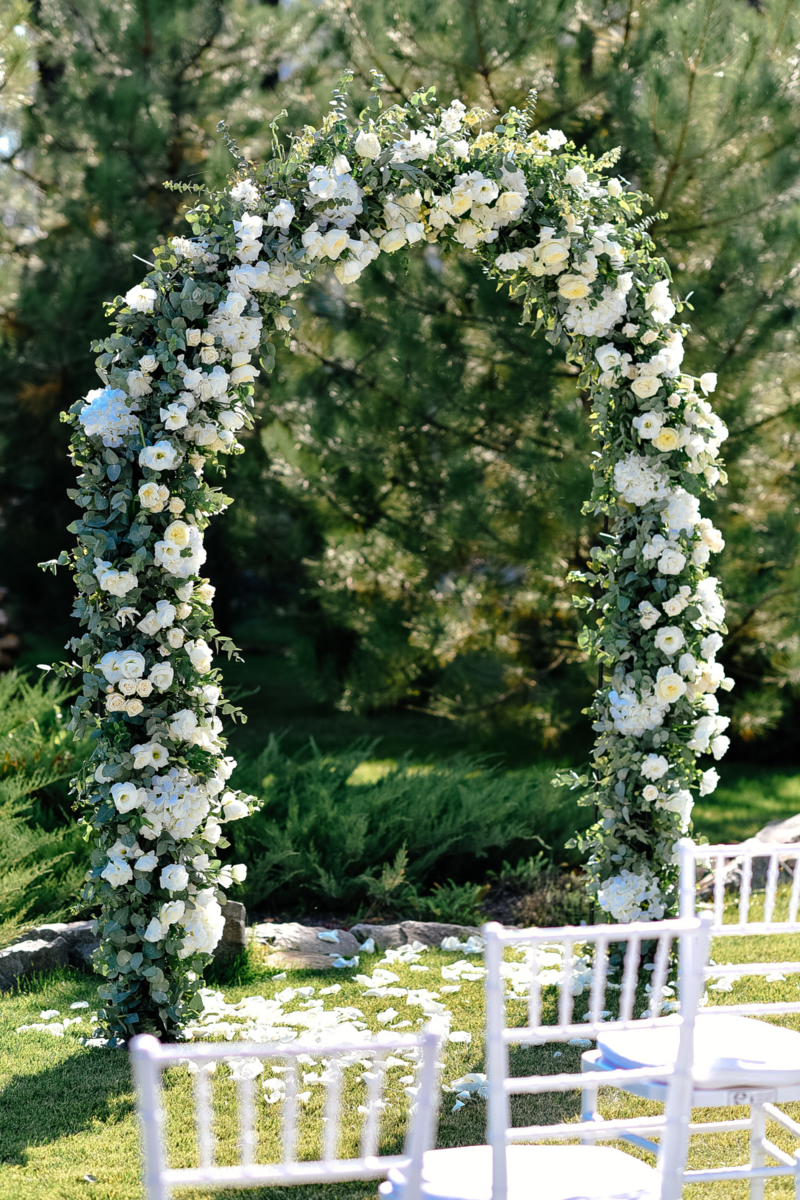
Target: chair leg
[(588, 1111), (758, 1131)]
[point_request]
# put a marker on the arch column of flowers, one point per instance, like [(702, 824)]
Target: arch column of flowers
[(177, 374)]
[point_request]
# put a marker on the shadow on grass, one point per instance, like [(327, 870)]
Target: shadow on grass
[(66, 1099)]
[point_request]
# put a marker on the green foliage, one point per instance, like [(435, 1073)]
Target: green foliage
[(43, 857), (321, 839)]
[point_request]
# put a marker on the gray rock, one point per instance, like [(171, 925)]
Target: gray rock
[(431, 933), (234, 935), (80, 956), (38, 954), (305, 939), (384, 936)]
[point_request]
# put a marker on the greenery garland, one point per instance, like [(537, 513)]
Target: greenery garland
[(177, 375)]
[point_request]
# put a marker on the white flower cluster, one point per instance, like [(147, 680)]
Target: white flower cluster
[(630, 897), (109, 415)]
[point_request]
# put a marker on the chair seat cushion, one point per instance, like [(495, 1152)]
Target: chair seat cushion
[(729, 1051), (534, 1173)]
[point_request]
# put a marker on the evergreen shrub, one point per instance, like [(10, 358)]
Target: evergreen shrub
[(407, 841)]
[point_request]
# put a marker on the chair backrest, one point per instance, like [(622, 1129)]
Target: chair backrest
[(586, 950), (150, 1057), (750, 866)]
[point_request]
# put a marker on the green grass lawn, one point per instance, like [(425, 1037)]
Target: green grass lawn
[(67, 1111)]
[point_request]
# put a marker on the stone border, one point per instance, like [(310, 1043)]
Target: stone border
[(72, 944)]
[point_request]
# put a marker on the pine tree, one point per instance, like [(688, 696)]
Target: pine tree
[(127, 97)]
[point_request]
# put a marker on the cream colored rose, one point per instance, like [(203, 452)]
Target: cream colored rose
[(149, 494), (573, 287), (553, 253), (193, 337), (175, 638), (133, 706), (393, 239), (144, 687), (115, 702), (128, 687), (176, 505), (650, 793), (334, 242), (209, 355), (645, 386), (670, 687), (667, 440), (177, 534), (367, 144)]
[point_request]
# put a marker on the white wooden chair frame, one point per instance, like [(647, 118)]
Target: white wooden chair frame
[(761, 1101), (150, 1057), (673, 1126)]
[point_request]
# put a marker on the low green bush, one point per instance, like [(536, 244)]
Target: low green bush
[(334, 831), (42, 852)]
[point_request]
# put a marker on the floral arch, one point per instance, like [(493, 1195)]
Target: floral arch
[(177, 374)]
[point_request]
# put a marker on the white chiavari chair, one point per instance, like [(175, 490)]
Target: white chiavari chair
[(512, 1166), (150, 1057), (738, 1060)]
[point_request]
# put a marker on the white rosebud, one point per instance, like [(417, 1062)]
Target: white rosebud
[(614, 187), (708, 382), (234, 810), (239, 872)]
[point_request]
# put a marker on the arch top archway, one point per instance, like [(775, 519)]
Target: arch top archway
[(177, 376)]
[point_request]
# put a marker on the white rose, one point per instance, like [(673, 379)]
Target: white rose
[(148, 362), (160, 457), (654, 766), (138, 384), (200, 654), (154, 932), (670, 640), (719, 746), (645, 386), (140, 299), (133, 706), (174, 910), (670, 687), (608, 356), (700, 555), (148, 862), (161, 676), (708, 781), (575, 177), (130, 664), (126, 796), (149, 494), (708, 382), (175, 638), (238, 872), (650, 793), (674, 606), (614, 187), (393, 239), (334, 242), (193, 337), (671, 562), (117, 872), (573, 287), (175, 878), (687, 664), (667, 440), (183, 725), (212, 832), (205, 593), (367, 144), (234, 810), (282, 215)]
